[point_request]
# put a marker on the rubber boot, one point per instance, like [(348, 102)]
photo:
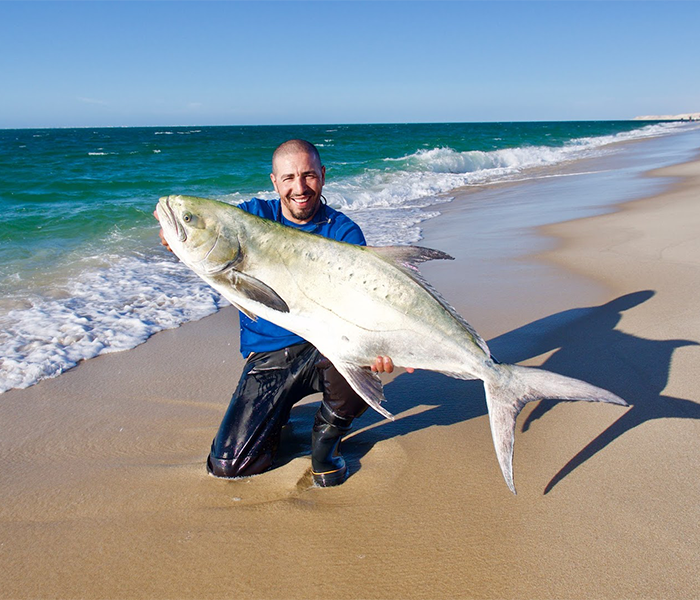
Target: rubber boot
[(327, 464)]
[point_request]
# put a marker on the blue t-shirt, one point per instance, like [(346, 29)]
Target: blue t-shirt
[(261, 335)]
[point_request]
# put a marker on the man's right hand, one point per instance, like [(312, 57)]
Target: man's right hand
[(384, 364)]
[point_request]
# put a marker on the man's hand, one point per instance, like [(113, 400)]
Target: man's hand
[(384, 364), (160, 233)]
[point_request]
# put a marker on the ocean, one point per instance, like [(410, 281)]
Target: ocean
[(81, 269)]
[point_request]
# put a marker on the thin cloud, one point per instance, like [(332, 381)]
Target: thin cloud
[(92, 101)]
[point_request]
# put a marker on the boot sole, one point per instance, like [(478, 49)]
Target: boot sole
[(330, 478)]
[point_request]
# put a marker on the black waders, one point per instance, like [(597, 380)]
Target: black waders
[(271, 383), (327, 464)]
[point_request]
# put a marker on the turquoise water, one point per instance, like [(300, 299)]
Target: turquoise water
[(81, 270)]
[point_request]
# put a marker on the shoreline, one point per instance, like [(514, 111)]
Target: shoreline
[(104, 491), (480, 217)]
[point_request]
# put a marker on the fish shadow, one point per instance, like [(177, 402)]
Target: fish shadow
[(582, 342)]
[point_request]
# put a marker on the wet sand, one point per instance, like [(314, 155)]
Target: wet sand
[(103, 491)]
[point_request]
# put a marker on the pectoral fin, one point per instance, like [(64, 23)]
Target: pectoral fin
[(366, 383), (256, 290)]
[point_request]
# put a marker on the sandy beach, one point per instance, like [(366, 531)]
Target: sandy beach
[(104, 494)]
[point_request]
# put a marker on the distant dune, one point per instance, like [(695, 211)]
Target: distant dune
[(683, 117)]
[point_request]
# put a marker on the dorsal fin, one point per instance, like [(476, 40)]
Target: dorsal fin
[(409, 256)]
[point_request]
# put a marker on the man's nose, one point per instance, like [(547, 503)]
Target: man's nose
[(299, 186)]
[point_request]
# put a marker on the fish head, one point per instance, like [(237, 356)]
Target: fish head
[(198, 232)]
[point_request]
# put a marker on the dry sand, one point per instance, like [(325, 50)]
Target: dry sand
[(104, 493)]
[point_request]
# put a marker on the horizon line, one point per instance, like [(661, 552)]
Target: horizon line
[(638, 119)]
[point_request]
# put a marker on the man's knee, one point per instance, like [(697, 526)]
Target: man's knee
[(338, 395), (233, 467)]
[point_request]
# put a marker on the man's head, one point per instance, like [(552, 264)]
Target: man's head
[(298, 177)]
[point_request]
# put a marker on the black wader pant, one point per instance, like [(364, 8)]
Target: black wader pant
[(271, 383)]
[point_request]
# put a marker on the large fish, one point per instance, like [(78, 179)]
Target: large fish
[(355, 303)]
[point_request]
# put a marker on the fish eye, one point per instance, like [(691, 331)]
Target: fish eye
[(187, 217)]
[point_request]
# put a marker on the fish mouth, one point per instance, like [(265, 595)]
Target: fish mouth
[(172, 220)]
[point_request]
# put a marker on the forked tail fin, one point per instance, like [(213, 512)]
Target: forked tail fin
[(514, 388)]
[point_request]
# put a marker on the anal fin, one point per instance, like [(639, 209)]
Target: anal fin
[(366, 383)]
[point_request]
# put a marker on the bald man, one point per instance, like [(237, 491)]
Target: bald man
[(282, 368)]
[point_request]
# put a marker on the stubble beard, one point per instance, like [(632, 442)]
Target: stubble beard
[(304, 212)]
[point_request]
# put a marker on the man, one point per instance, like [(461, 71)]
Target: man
[(281, 367)]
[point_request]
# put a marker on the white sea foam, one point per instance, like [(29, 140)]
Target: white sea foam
[(390, 203), (103, 309), (187, 132)]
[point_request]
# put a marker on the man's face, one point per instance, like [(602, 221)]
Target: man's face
[(298, 178)]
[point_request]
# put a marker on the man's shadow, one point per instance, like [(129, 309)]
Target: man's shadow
[(584, 344)]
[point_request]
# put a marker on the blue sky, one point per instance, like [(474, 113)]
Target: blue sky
[(230, 63)]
